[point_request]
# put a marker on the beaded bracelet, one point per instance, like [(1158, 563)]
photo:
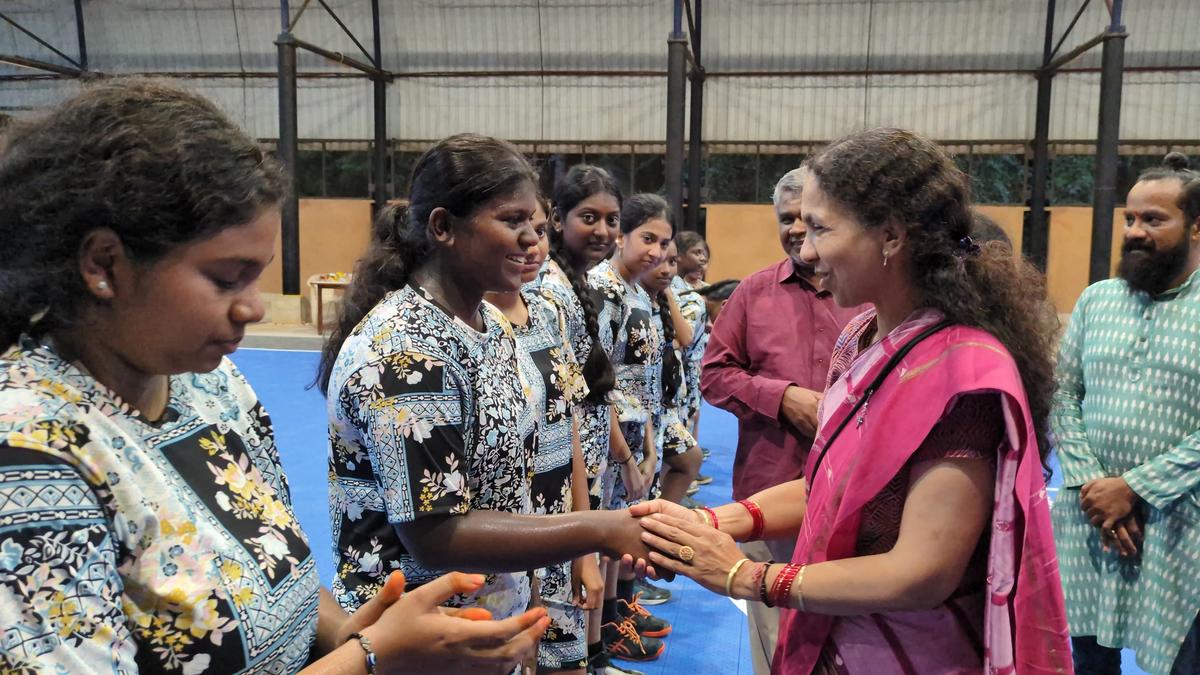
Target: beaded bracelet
[(760, 580), (756, 517), (782, 588), (366, 647)]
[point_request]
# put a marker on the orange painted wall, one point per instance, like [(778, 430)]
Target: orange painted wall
[(334, 233), (744, 238)]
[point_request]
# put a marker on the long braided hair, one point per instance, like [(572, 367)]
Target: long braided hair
[(581, 182)]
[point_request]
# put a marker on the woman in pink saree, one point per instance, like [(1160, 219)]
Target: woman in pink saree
[(923, 530)]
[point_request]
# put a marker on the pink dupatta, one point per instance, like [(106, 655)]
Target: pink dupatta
[(1025, 629)]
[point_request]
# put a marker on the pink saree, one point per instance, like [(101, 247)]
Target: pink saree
[(1024, 627)]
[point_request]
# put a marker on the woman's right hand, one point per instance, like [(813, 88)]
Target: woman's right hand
[(417, 635)]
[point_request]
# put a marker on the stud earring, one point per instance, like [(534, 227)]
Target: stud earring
[(885, 258), (102, 285)]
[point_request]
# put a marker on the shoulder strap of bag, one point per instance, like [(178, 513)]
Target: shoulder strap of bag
[(875, 384)]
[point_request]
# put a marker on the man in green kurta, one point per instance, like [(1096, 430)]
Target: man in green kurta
[(1127, 427)]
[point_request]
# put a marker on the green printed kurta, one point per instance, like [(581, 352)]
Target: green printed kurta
[(1128, 405)]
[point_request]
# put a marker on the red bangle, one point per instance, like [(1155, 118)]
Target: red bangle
[(711, 514), (782, 588), (756, 516)]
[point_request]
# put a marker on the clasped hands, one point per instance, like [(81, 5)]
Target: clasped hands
[(676, 540), (1111, 506)]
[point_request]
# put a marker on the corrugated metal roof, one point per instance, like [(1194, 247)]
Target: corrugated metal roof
[(844, 36), (1154, 106)]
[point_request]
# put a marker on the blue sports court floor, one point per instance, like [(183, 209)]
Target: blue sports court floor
[(709, 631)]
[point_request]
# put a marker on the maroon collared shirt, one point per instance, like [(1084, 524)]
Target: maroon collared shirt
[(776, 330)]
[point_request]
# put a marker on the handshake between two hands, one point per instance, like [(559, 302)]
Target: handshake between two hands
[(659, 539)]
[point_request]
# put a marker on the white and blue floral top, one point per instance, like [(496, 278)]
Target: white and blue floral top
[(129, 546)]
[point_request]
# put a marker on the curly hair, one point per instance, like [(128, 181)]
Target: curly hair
[(581, 182), (156, 164), (460, 174), (892, 175)]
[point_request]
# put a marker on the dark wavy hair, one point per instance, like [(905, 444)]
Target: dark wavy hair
[(1175, 167), (154, 163), (885, 175), (634, 213), (460, 174), (581, 182)]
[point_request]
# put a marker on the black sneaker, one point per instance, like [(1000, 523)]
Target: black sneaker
[(621, 641), (650, 595), (646, 623), (701, 479)]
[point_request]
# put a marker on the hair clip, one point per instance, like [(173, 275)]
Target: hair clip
[(967, 246)]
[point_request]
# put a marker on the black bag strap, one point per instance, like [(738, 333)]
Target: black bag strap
[(875, 384)]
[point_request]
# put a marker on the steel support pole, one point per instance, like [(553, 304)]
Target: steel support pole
[(676, 93), (379, 158), (1036, 235), (696, 128), (1104, 199), (286, 151), (81, 35)]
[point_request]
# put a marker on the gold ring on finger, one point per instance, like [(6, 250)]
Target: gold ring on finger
[(687, 554)]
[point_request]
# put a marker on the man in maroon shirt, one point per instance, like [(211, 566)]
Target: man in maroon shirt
[(766, 362)]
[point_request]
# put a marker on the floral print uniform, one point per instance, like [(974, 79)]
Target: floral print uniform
[(670, 427), (135, 547), (695, 312), (556, 391), (627, 323), (427, 417), (553, 284)]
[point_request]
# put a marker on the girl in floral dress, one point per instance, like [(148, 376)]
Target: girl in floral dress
[(627, 322), (681, 456), (433, 435), (559, 482), (584, 228), (146, 524)]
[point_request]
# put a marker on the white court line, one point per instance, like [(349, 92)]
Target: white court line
[(270, 349)]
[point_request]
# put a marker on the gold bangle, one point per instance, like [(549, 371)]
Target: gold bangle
[(733, 573), (704, 516), (800, 588)]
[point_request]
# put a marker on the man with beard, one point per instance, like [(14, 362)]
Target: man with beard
[(1127, 425), (767, 360)]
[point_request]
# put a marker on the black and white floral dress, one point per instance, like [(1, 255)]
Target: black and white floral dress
[(627, 323), (695, 312), (556, 392), (427, 417), (129, 546), (553, 284)]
